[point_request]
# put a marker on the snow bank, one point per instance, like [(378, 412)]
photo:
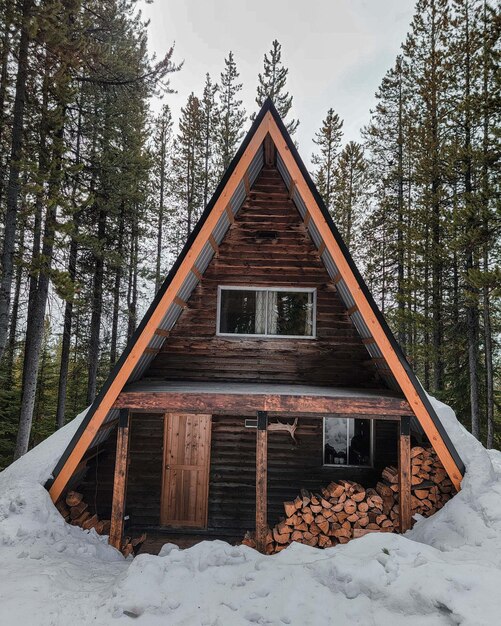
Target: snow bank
[(445, 571)]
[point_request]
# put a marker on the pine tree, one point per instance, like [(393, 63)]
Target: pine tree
[(426, 48), (16, 147), (231, 115), (272, 84), (328, 139), (209, 124), (162, 155), (187, 166), (349, 193)]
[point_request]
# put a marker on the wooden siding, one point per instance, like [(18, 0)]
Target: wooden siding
[(193, 351), (290, 468), (232, 470), (97, 486)]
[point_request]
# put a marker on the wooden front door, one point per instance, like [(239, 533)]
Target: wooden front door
[(185, 485)]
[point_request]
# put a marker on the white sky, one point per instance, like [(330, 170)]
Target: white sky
[(337, 51)]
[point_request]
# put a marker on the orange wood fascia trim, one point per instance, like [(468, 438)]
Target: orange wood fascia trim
[(365, 309), (155, 320)]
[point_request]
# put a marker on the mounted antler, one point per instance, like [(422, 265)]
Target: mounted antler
[(281, 426)]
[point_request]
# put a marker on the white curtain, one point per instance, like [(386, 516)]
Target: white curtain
[(272, 312), (260, 321)]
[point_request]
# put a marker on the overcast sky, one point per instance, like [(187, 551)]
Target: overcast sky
[(337, 51)]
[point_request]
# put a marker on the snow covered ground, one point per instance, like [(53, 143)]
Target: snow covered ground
[(447, 570)]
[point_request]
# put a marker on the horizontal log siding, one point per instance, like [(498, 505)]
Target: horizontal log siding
[(97, 486), (145, 469), (194, 352), (232, 474), (290, 468)]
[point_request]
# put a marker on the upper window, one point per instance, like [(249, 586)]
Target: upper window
[(266, 312), (348, 441)]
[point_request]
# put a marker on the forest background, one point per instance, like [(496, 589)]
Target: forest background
[(100, 187)]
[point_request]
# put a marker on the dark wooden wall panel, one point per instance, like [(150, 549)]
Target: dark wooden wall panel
[(290, 468), (97, 486), (145, 469), (194, 352), (232, 470)]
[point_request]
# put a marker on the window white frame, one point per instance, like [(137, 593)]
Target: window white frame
[(370, 465), (311, 290)]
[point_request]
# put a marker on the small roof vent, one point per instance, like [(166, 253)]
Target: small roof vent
[(266, 235)]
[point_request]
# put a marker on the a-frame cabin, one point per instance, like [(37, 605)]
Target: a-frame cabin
[(263, 319)]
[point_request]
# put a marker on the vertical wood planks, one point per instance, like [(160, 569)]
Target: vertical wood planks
[(404, 473), (120, 480), (261, 480), (185, 483)]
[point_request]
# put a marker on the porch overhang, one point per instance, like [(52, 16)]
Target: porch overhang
[(247, 398)]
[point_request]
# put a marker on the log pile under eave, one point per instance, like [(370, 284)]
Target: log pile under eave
[(75, 511), (345, 509)]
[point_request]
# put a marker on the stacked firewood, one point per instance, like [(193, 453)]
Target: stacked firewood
[(342, 511), (431, 488), (75, 511), (345, 510)]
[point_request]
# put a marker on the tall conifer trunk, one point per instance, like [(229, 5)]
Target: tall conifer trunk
[(96, 307), (35, 327), (72, 270), (9, 239), (4, 76), (400, 218), (116, 287)]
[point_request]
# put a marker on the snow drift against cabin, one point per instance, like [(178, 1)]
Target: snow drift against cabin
[(447, 570)]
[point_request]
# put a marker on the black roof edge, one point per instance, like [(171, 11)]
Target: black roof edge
[(158, 296), (365, 290)]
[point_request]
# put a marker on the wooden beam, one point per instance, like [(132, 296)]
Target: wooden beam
[(213, 243), (229, 213), (337, 278), (382, 339), (269, 151), (158, 314), (246, 183), (404, 474), (261, 480), (208, 402), (292, 188), (180, 302), (151, 351), (368, 340), (321, 248), (161, 332), (196, 272), (120, 481), (352, 309)]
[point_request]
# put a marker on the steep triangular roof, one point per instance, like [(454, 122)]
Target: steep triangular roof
[(194, 259)]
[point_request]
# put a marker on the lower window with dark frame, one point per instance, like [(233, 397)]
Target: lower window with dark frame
[(348, 441)]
